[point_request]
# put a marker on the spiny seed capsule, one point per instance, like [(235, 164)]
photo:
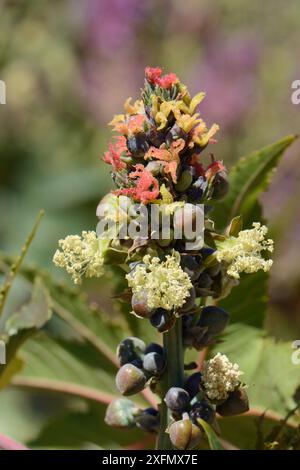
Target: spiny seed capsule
[(177, 399), (154, 347), (140, 306), (185, 435), (154, 363), (120, 413), (148, 420), (192, 384), (202, 410), (130, 349), (215, 319), (237, 403), (162, 320), (130, 380)]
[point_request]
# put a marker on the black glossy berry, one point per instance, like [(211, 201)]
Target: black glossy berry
[(162, 320), (137, 363), (205, 252), (220, 185), (190, 301), (148, 420), (202, 410), (154, 363), (192, 384), (204, 281), (137, 145), (191, 267), (154, 347), (236, 403), (215, 319), (177, 399), (130, 349)]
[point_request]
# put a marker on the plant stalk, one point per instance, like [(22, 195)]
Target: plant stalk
[(172, 377)]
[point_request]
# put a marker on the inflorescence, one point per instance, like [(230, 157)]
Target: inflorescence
[(157, 157)]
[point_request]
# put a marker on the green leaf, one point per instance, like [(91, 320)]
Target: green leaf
[(248, 179), (248, 301), (213, 440), (32, 315)]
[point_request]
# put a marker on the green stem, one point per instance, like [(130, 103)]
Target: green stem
[(172, 377)]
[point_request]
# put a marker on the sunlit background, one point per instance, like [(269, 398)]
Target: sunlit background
[(68, 67)]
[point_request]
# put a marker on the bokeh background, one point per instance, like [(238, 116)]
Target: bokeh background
[(68, 67)]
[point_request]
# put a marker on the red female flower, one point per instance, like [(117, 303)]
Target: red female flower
[(146, 189), (113, 155)]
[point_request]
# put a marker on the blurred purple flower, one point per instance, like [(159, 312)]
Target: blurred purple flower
[(227, 74), (111, 24)]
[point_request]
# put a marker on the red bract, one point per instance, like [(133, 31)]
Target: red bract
[(146, 189)]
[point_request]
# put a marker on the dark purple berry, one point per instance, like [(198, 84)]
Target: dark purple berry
[(130, 349), (177, 399), (202, 410), (148, 420), (162, 320), (154, 347), (154, 363), (192, 384), (236, 404), (215, 319), (191, 267)]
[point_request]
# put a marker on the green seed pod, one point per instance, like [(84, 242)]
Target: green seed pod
[(184, 181), (130, 349), (130, 380), (236, 404), (185, 435), (121, 413)]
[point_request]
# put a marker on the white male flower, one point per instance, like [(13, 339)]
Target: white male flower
[(165, 283), (243, 253), (80, 256), (220, 377)]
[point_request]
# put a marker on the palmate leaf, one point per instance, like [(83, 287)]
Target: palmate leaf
[(19, 326), (248, 179), (75, 358), (248, 301)]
